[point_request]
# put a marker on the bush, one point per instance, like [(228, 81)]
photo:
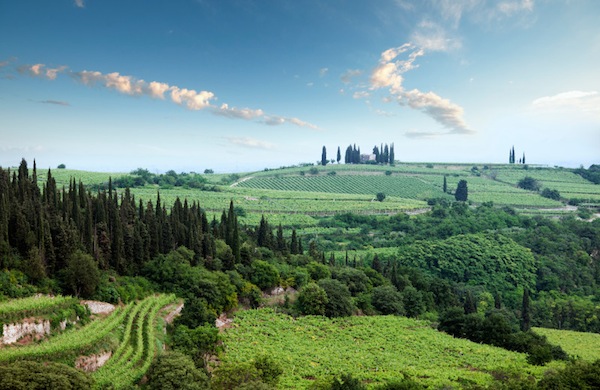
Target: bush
[(175, 370), (264, 275), (261, 373), (529, 184), (42, 375), (387, 300), (346, 382), (339, 301), (312, 300), (551, 194), (380, 196)]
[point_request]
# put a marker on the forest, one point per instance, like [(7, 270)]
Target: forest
[(484, 273)]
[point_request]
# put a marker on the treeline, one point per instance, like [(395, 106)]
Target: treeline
[(592, 173), (142, 177), (513, 160), (58, 233), (383, 154)]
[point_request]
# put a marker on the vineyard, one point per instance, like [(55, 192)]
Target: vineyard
[(374, 349), (580, 344), (298, 196), (134, 349)]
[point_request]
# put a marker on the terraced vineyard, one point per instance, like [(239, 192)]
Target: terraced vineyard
[(132, 357), (136, 351), (373, 349)]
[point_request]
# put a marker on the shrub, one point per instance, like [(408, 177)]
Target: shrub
[(387, 300), (380, 196), (551, 194), (312, 300), (339, 301), (175, 370), (529, 183)]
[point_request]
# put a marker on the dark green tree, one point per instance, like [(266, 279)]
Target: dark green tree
[(445, 185), (324, 156), (175, 370), (312, 300), (339, 155), (339, 299), (461, 193), (525, 312)]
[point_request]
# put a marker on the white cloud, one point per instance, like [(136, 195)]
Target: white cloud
[(323, 72), (189, 98), (240, 113), (361, 95), (389, 74), (79, 3), (350, 74), (442, 110), (250, 143), (583, 101), (157, 90), (40, 70)]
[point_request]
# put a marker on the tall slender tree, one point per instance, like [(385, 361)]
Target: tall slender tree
[(324, 156), (339, 155)]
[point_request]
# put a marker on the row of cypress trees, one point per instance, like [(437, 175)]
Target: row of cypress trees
[(43, 227)]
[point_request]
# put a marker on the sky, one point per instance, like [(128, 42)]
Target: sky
[(239, 86)]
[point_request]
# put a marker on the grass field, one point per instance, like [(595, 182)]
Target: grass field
[(373, 349), (578, 344)]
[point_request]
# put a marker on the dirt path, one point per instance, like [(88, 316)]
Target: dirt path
[(241, 181)]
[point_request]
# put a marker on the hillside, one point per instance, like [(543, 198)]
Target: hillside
[(293, 196), (374, 349)]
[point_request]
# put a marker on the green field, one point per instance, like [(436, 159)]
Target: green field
[(578, 344), (373, 349)]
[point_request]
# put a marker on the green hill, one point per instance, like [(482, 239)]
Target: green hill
[(373, 349)]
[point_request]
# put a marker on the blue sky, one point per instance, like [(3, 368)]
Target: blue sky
[(245, 85)]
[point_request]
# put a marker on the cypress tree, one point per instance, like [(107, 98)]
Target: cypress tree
[(523, 159), (294, 248), (525, 312), (392, 159), (324, 156), (461, 193), (339, 155), (376, 264), (470, 304), (281, 244), (445, 186)]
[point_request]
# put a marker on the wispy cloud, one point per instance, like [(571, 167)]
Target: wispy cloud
[(323, 72), (250, 143), (389, 73), (422, 134), (350, 74), (79, 3), (188, 98), (431, 36), (511, 7), (55, 102), (583, 101)]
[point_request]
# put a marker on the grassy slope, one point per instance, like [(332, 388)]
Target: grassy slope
[(373, 349), (583, 345)]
